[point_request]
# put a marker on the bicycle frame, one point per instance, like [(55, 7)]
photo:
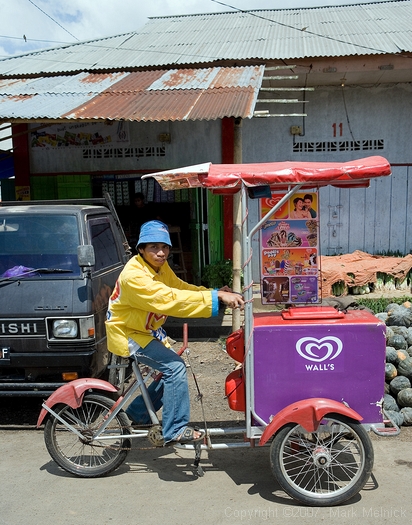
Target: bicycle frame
[(139, 383)]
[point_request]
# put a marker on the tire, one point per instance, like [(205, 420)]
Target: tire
[(325, 467), (87, 459)]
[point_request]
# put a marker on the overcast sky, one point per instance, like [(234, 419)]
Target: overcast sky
[(29, 25)]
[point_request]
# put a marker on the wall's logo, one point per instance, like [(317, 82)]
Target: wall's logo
[(319, 350)]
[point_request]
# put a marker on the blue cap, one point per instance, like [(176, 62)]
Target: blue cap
[(154, 231)]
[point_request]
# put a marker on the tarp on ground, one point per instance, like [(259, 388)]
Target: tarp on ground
[(360, 268)]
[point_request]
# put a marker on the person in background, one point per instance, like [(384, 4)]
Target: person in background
[(141, 212), (146, 292)]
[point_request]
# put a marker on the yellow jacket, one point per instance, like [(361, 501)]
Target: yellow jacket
[(142, 299)]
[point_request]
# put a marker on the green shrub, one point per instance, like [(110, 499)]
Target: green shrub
[(379, 305), (218, 274)]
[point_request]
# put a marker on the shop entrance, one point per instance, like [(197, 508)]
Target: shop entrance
[(138, 201)]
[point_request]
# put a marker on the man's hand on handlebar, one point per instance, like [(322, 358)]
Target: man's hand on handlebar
[(230, 299)]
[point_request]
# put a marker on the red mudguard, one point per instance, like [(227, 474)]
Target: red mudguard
[(72, 394), (308, 413)]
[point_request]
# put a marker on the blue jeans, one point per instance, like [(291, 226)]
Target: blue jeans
[(176, 401), (137, 410)]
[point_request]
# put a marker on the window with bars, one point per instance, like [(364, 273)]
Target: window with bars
[(117, 153), (339, 145)]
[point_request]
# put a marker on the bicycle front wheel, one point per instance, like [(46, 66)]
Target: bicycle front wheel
[(85, 456), (325, 467)]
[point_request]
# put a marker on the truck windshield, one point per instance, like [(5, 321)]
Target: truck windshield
[(43, 242)]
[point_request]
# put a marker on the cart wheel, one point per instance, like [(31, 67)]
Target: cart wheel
[(322, 468)]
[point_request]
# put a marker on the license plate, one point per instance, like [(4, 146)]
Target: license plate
[(4, 356)]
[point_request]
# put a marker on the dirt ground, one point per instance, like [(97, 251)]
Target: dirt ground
[(209, 365)]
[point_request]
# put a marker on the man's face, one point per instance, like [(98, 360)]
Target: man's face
[(155, 254), (139, 202), (308, 203)]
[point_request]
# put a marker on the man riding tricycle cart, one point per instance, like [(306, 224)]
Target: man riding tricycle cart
[(309, 378)]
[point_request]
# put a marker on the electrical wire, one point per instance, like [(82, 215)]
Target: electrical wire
[(303, 29), (346, 111), (51, 18), (91, 44), (6, 37)]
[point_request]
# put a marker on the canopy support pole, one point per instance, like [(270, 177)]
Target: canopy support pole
[(237, 224)]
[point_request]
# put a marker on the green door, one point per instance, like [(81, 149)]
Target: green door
[(207, 230), (215, 227)]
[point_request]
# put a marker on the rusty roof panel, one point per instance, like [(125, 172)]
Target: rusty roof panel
[(37, 107), (136, 81), (138, 96), (62, 84), (193, 104), (214, 77), (218, 103)]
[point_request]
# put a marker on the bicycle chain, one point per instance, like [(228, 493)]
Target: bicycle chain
[(152, 436)]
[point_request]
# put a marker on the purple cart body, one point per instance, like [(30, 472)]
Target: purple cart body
[(298, 356)]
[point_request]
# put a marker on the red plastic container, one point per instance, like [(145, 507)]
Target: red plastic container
[(235, 390), (235, 345)]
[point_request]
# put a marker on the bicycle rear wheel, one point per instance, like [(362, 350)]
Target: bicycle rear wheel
[(86, 457)]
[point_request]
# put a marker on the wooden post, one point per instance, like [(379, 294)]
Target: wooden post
[(237, 225)]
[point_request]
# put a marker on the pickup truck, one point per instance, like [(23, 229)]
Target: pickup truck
[(59, 261)]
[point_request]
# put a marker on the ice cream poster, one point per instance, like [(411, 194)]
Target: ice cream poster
[(289, 243), (296, 289), (303, 289), (302, 205), (290, 234), (289, 261)]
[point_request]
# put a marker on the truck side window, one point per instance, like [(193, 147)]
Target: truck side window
[(104, 244)]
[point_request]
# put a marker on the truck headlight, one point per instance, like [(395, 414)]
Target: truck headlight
[(66, 328)]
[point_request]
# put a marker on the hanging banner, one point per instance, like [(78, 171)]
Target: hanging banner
[(289, 249), (81, 134)]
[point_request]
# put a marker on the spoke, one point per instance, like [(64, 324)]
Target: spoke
[(302, 470), (88, 416)]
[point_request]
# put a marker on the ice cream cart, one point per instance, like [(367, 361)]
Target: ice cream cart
[(310, 378)]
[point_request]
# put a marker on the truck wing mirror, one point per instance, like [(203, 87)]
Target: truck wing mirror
[(85, 255)]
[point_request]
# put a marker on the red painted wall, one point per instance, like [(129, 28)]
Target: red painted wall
[(227, 158)]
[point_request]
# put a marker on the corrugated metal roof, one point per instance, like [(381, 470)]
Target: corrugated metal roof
[(179, 94), (288, 34)]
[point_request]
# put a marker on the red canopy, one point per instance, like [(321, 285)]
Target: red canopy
[(277, 175)]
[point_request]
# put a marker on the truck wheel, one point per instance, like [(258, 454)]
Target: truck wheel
[(86, 457), (325, 467)]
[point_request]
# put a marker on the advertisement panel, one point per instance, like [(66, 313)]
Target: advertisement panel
[(289, 249)]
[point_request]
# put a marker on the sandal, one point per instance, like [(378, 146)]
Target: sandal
[(187, 436)]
